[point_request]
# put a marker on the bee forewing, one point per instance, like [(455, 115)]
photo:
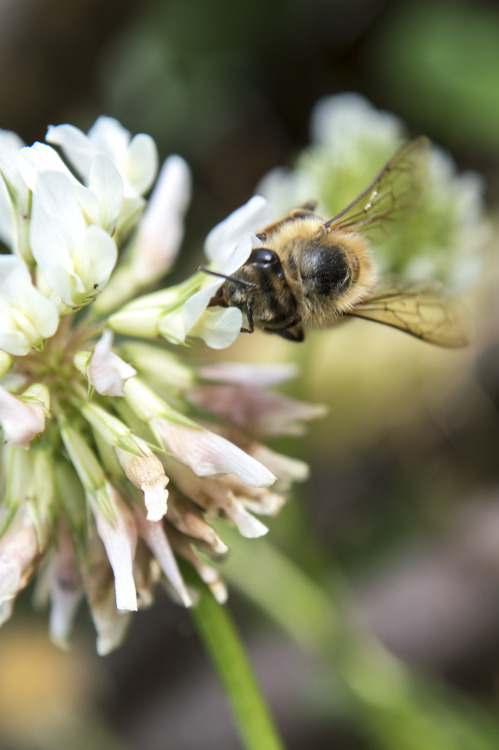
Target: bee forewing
[(430, 313), (392, 197)]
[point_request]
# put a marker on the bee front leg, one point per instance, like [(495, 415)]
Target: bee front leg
[(249, 315)]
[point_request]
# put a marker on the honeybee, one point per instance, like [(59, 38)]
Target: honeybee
[(311, 272)]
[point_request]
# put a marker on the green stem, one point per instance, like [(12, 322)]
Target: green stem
[(401, 710), (221, 640)]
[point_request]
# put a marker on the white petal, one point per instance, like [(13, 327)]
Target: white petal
[(76, 259), (77, 147), (7, 218), (108, 136), (26, 316), (347, 118), (8, 136), (241, 253), (195, 306), (221, 241), (106, 182), (207, 453), (120, 539), (140, 163), (107, 372), (20, 421), (157, 541), (147, 473), (57, 225), (161, 228), (247, 525), (98, 259), (14, 198), (218, 327), (38, 158)]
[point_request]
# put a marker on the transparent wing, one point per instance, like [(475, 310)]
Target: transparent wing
[(428, 312), (392, 196)]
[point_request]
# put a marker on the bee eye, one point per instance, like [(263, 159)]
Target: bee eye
[(263, 257)]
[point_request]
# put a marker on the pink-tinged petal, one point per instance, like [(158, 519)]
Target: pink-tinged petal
[(161, 228), (19, 557), (20, 421), (110, 623), (188, 518), (120, 539), (66, 589), (227, 497), (97, 575), (147, 473), (207, 453), (255, 409), (256, 376), (286, 469), (221, 241), (107, 372), (209, 575), (154, 536)]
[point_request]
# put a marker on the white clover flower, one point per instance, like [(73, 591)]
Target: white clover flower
[(100, 202), (116, 454), (26, 316), (105, 483), (136, 158), (76, 258)]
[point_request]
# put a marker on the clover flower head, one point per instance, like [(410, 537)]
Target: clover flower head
[(113, 460)]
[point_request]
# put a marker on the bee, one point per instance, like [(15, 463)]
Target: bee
[(311, 273)]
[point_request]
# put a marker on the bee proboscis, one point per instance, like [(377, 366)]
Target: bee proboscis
[(310, 272)]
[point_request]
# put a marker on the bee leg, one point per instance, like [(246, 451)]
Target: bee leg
[(249, 315), (293, 333)]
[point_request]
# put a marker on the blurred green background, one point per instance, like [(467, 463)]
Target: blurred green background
[(401, 514)]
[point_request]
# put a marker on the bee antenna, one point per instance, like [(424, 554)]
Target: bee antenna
[(227, 278)]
